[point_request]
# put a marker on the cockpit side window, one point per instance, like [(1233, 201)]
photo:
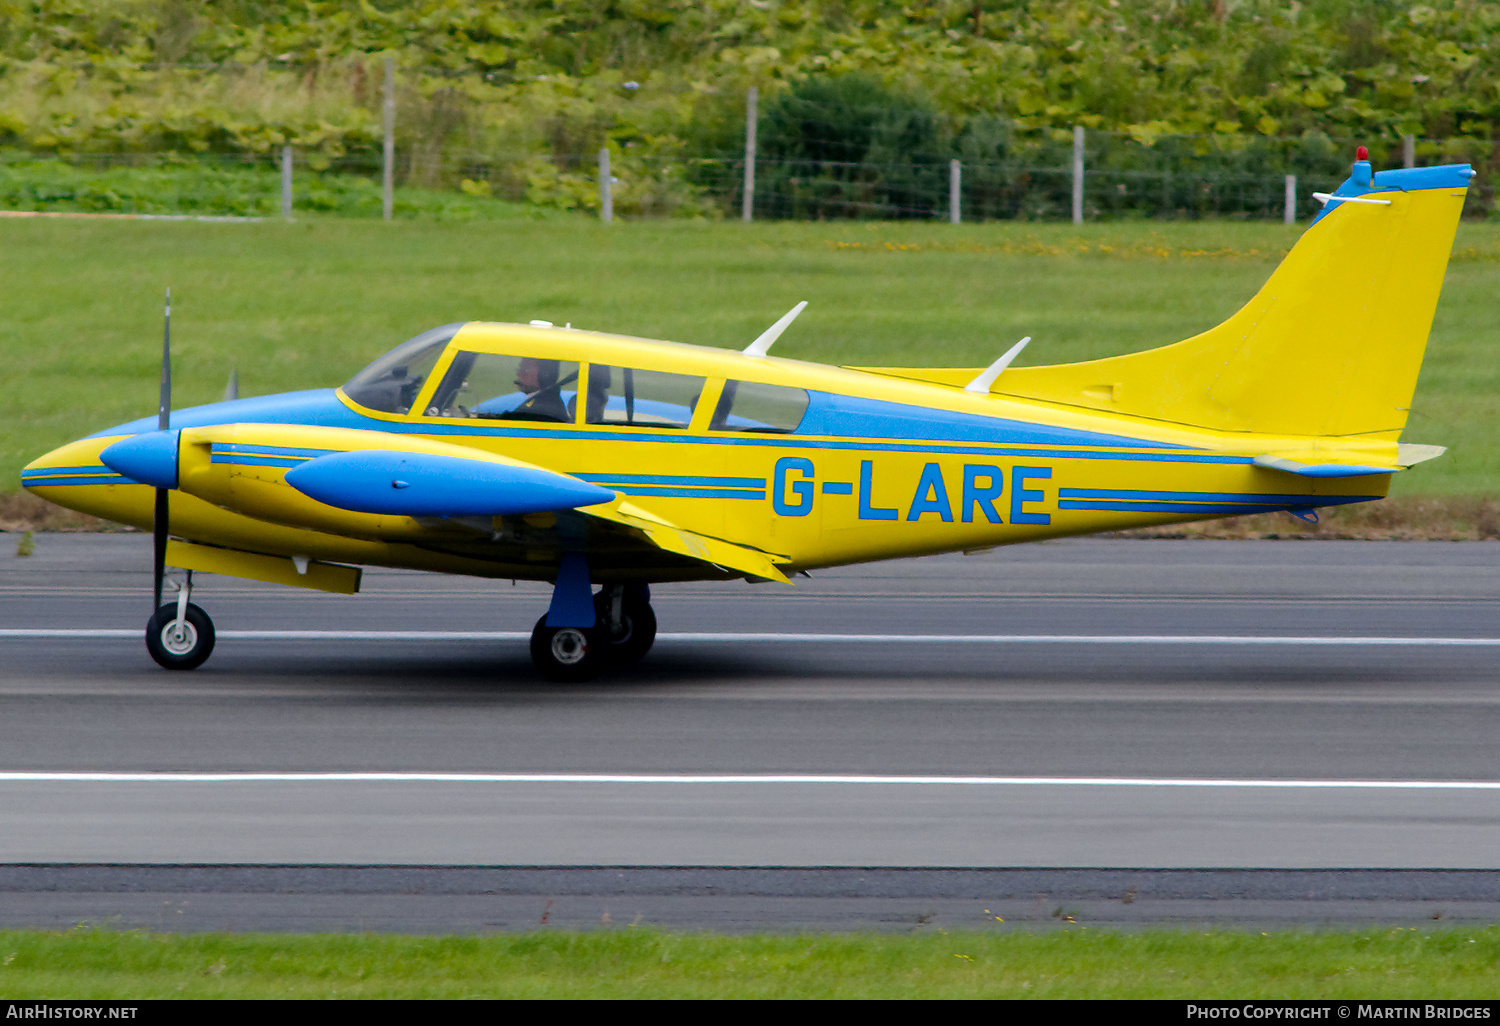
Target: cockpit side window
[(641, 398), (753, 406), (492, 386), (391, 384)]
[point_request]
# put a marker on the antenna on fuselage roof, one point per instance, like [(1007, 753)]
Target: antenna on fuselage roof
[(987, 377), (771, 334)]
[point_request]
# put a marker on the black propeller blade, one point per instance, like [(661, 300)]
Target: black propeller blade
[(160, 519)]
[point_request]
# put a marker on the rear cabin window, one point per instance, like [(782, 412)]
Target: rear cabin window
[(641, 398), (752, 406), (491, 386)]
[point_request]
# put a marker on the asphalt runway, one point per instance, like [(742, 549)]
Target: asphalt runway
[(1103, 706)]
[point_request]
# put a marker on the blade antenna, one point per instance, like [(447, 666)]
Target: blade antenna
[(986, 378), (771, 334), (160, 515)]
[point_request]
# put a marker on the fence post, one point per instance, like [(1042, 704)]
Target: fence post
[(286, 182), (606, 193), (1408, 151), (388, 173), (752, 104), (1290, 217), (955, 184), (1078, 174)]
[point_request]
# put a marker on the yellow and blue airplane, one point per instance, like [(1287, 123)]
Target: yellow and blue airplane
[(580, 458)]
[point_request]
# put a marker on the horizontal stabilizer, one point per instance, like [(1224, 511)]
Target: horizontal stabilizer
[(1409, 454), (420, 484), (1290, 466)]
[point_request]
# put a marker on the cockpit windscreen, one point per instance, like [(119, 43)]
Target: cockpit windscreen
[(391, 384)]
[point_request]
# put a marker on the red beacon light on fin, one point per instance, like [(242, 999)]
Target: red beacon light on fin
[(1362, 174)]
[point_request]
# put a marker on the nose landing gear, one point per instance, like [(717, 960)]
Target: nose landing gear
[(180, 635)]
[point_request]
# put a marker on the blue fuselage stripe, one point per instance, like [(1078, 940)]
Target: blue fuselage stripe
[(1168, 507), (847, 416), (95, 468), (254, 460), (323, 408), (1027, 452), (1123, 494), (288, 452), (689, 493), (55, 482), (850, 446), (1302, 502), (674, 480)]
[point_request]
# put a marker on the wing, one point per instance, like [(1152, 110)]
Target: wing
[(508, 517)]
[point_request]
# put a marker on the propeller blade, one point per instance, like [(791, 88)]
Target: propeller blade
[(159, 541), (160, 517), (164, 404), (232, 390)]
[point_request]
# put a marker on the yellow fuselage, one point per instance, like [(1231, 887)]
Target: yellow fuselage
[(923, 468)]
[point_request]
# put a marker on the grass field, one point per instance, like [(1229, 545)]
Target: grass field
[(307, 304), (637, 963)]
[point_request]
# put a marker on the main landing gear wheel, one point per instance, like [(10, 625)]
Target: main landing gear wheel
[(181, 646), (567, 655), (631, 634)]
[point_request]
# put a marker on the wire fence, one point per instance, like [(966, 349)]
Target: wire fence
[(1113, 176)]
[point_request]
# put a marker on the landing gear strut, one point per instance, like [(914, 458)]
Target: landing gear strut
[(179, 635)]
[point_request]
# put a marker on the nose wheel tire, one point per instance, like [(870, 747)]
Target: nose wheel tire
[(567, 655), (179, 646), (631, 638)]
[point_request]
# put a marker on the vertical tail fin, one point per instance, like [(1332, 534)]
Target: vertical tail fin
[(1332, 343)]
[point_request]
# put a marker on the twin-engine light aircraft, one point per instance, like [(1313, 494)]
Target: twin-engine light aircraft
[(583, 459)]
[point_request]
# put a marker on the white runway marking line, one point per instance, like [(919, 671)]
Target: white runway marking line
[(84, 633), (66, 777)]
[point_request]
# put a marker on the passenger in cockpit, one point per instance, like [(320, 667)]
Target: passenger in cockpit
[(599, 382)]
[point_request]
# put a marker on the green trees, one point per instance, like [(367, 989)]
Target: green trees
[(529, 89), (849, 146)]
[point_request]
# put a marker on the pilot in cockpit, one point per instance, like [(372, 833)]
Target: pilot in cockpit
[(538, 379)]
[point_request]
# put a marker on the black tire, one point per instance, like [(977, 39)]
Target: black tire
[(186, 652), (637, 631), (568, 655)]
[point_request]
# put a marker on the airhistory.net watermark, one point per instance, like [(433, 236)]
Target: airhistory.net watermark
[(49, 1010)]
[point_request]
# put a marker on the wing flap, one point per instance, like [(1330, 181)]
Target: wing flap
[(671, 538)]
